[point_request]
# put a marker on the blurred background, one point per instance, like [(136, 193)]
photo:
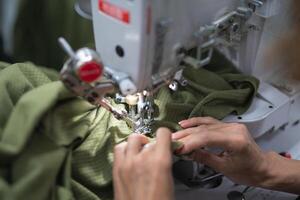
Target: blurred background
[(29, 30)]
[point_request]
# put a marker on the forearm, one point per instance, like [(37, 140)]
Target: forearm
[(282, 174)]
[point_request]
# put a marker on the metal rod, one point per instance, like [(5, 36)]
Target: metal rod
[(67, 47), (212, 177), (119, 114)]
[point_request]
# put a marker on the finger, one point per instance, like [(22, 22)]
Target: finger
[(208, 138), (183, 133), (119, 154), (163, 140), (135, 144), (196, 121), (218, 126), (209, 159), (150, 145)]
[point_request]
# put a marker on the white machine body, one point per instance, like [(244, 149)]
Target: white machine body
[(151, 33)]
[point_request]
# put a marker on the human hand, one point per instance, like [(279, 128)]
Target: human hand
[(242, 160), (142, 170)]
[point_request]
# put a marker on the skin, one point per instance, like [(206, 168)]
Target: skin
[(242, 159), (145, 173)]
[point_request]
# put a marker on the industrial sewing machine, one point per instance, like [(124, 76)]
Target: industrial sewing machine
[(141, 45)]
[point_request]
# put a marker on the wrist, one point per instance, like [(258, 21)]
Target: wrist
[(269, 174), (278, 172)]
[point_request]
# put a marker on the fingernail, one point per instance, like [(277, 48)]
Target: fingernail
[(181, 123)]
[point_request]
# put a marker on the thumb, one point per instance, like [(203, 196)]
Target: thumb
[(209, 159)]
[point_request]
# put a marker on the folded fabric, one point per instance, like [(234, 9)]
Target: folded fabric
[(207, 94), (57, 146), (52, 145)]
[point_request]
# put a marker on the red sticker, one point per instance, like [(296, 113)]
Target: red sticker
[(89, 72), (114, 11)]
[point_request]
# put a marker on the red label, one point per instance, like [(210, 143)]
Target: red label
[(90, 72), (114, 11)]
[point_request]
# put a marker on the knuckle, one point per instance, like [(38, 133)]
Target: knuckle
[(195, 130), (202, 128), (203, 137), (191, 131), (242, 141), (195, 119), (240, 127), (118, 148)]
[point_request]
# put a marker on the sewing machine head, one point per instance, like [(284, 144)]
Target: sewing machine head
[(148, 40), (142, 45)]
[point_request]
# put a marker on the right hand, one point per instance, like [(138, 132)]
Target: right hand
[(144, 172), (242, 160)]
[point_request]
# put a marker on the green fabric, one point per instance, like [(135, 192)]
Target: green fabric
[(42, 129), (207, 94), (40, 22), (56, 146)]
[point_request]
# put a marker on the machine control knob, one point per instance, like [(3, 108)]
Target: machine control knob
[(90, 71), (85, 62)]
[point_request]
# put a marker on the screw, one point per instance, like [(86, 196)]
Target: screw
[(235, 28)]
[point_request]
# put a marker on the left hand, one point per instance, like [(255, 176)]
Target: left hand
[(242, 160), (143, 172)]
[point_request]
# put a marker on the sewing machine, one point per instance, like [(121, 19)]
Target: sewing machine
[(141, 46)]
